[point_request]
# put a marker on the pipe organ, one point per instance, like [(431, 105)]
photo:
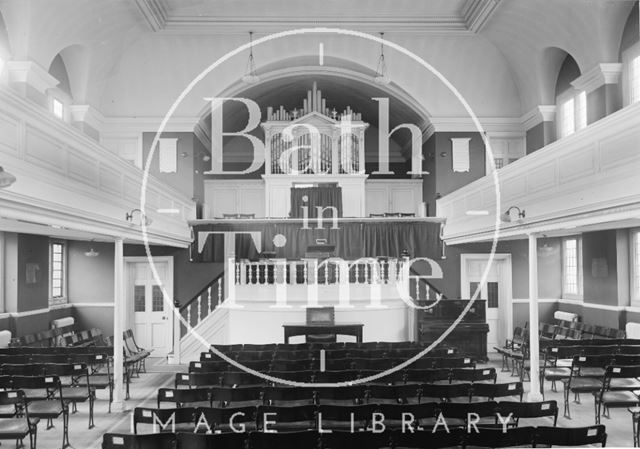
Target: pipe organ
[(314, 140)]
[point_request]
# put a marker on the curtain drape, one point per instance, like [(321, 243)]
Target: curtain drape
[(352, 239), (329, 196)]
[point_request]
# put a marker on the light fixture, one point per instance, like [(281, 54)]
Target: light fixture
[(129, 217), (92, 252), (250, 76), (6, 179), (381, 77), (506, 217)]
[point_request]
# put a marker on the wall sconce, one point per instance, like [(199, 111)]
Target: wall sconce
[(507, 218), (129, 217)]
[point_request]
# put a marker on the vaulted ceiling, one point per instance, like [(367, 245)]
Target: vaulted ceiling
[(137, 56)]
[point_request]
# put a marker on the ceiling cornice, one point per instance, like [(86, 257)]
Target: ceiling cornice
[(240, 24), (477, 13), (153, 12)]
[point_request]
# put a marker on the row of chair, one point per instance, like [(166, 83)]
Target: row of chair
[(45, 338), (515, 349), (206, 376), (342, 417), (333, 364), (311, 439), (40, 397), (331, 353), (79, 380), (236, 396), (285, 347)]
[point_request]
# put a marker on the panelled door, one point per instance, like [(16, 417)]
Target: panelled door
[(494, 291), (152, 317)]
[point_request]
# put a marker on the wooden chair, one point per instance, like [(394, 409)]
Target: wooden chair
[(17, 424)]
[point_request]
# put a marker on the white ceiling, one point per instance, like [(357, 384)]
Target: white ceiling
[(134, 57)]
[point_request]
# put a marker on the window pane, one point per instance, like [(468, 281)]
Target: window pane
[(571, 266), (636, 267), (581, 111), (567, 118), (158, 299), (492, 295), (138, 298), (634, 79)]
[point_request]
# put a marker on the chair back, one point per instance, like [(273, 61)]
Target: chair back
[(148, 441), (567, 436)]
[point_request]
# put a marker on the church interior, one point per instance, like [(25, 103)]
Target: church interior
[(278, 223)]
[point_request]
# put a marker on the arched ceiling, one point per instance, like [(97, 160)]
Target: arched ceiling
[(340, 92), (141, 53), (282, 86)]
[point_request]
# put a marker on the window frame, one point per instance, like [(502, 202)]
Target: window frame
[(579, 268), (629, 91), (62, 299), (579, 108), (634, 267)]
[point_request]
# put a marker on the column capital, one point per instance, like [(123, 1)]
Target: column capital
[(601, 74), (87, 114), (539, 114), (31, 73)]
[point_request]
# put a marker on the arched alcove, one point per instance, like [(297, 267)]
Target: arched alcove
[(58, 70), (631, 33), (568, 72), (5, 46), (286, 84)]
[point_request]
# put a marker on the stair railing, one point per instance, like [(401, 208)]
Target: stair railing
[(204, 302)]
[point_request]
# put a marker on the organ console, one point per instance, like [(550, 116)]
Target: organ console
[(469, 336)]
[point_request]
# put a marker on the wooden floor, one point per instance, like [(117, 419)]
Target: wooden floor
[(143, 392)]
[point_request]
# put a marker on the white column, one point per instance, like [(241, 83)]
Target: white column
[(119, 311), (534, 347)]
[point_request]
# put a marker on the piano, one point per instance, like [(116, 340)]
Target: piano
[(469, 336)]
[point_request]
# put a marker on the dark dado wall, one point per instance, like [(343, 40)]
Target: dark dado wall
[(605, 280)]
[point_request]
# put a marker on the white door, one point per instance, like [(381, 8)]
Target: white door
[(151, 315), (495, 291)]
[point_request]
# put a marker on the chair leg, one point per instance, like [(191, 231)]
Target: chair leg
[(65, 432), (634, 426), (596, 404), (91, 400), (567, 412)]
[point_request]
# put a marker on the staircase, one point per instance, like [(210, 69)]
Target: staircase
[(265, 294)]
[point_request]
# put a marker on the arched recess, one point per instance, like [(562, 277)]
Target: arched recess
[(5, 45), (631, 31), (568, 72), (72, 65), (286, 82), (58, 70), (553, 61)]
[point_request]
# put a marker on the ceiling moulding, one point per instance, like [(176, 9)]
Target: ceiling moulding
[(240, 24), (539, 114), (477, 13), (154, 13), (490, 125), (124, 125), (598, 76)]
